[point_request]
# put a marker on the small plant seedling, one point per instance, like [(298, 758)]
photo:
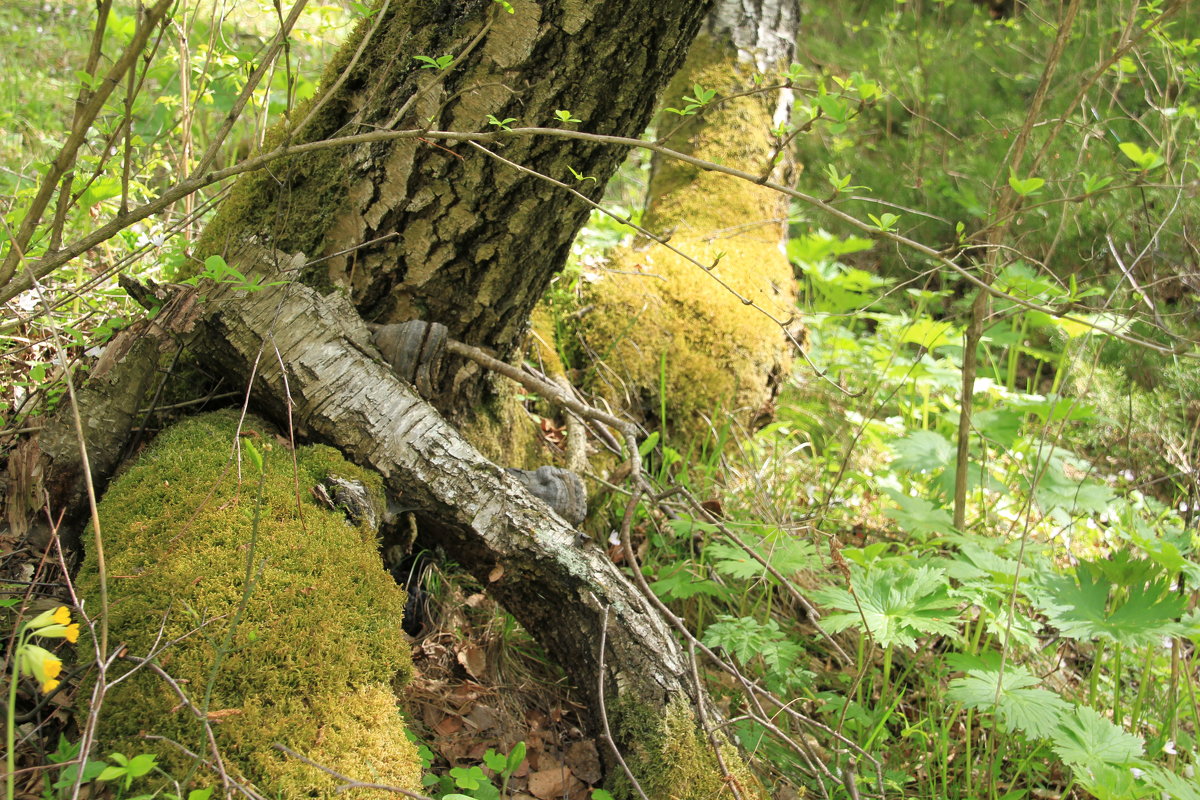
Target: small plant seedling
[(502, 124), (1144, 160), (566, 116), (701, 97), (441, 62), (1026, 187)]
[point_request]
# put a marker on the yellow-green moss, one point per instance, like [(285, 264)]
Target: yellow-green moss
[(671, 758), (670, 333), (318, 651)]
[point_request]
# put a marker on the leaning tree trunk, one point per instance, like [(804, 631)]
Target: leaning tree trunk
[(445, 233), (714, 306)]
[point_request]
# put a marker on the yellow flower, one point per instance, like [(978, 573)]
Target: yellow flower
[(42, 665), (55, 616), (68, 632)]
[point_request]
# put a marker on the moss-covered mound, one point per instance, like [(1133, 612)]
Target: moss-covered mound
[(314, 657)]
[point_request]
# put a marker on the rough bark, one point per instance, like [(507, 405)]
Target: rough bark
[(48, 465), (417, 230)]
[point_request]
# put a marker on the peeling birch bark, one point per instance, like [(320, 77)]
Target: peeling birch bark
[(315, 353)]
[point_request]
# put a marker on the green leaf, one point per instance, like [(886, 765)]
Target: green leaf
[(886, 222), (1176, 787), (922, 451), (916, 515), (494, 761), (1000, 425), (681, 584), (1144, 160), (441, 62), (1013, 698), (1086, 739), (1089, 608), (515, 757), (898, 604), (141, 764), (747, 638), (647, 445), (253, 454), (1025, 186), (931, 334), (788, 556)]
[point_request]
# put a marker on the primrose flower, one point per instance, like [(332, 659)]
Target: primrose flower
[(55, 616), (68, 632), (41, 664), (54, 624)]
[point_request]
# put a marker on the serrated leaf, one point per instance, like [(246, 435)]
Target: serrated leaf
[(1079, 607), (680, 584), (1086, 739), (1176, 787), (1022, 706), (747, 638), (898, 604), (918, 516), (922, 451)]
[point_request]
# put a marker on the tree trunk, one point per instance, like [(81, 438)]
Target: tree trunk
[(451, 237), (413, 229), (712, 307)]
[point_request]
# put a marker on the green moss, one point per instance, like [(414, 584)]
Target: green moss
[(671, 759), (671, 336), (318, 651)]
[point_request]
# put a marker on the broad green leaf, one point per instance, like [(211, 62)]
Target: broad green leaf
[(932, 334), (1021, 706), (898, 604), (1025, 186), (1143, 159), (922, 451), (1089, 608), (999, 425), (916, 515), (1086, 739)]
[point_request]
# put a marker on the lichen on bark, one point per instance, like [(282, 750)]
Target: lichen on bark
[(314, 659)]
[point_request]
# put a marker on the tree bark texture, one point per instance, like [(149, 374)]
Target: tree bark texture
[(414, 229), (314, 353)]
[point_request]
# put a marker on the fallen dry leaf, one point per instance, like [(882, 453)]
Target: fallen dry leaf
[(583, 759), (449, 725)]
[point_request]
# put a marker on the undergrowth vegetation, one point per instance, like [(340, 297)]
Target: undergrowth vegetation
[(1045, 647), (997, 604)]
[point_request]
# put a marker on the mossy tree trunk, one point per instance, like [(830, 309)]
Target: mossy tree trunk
[(711, 336), (418, 229)]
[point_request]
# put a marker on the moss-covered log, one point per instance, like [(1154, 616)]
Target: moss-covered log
[(309, 655)]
